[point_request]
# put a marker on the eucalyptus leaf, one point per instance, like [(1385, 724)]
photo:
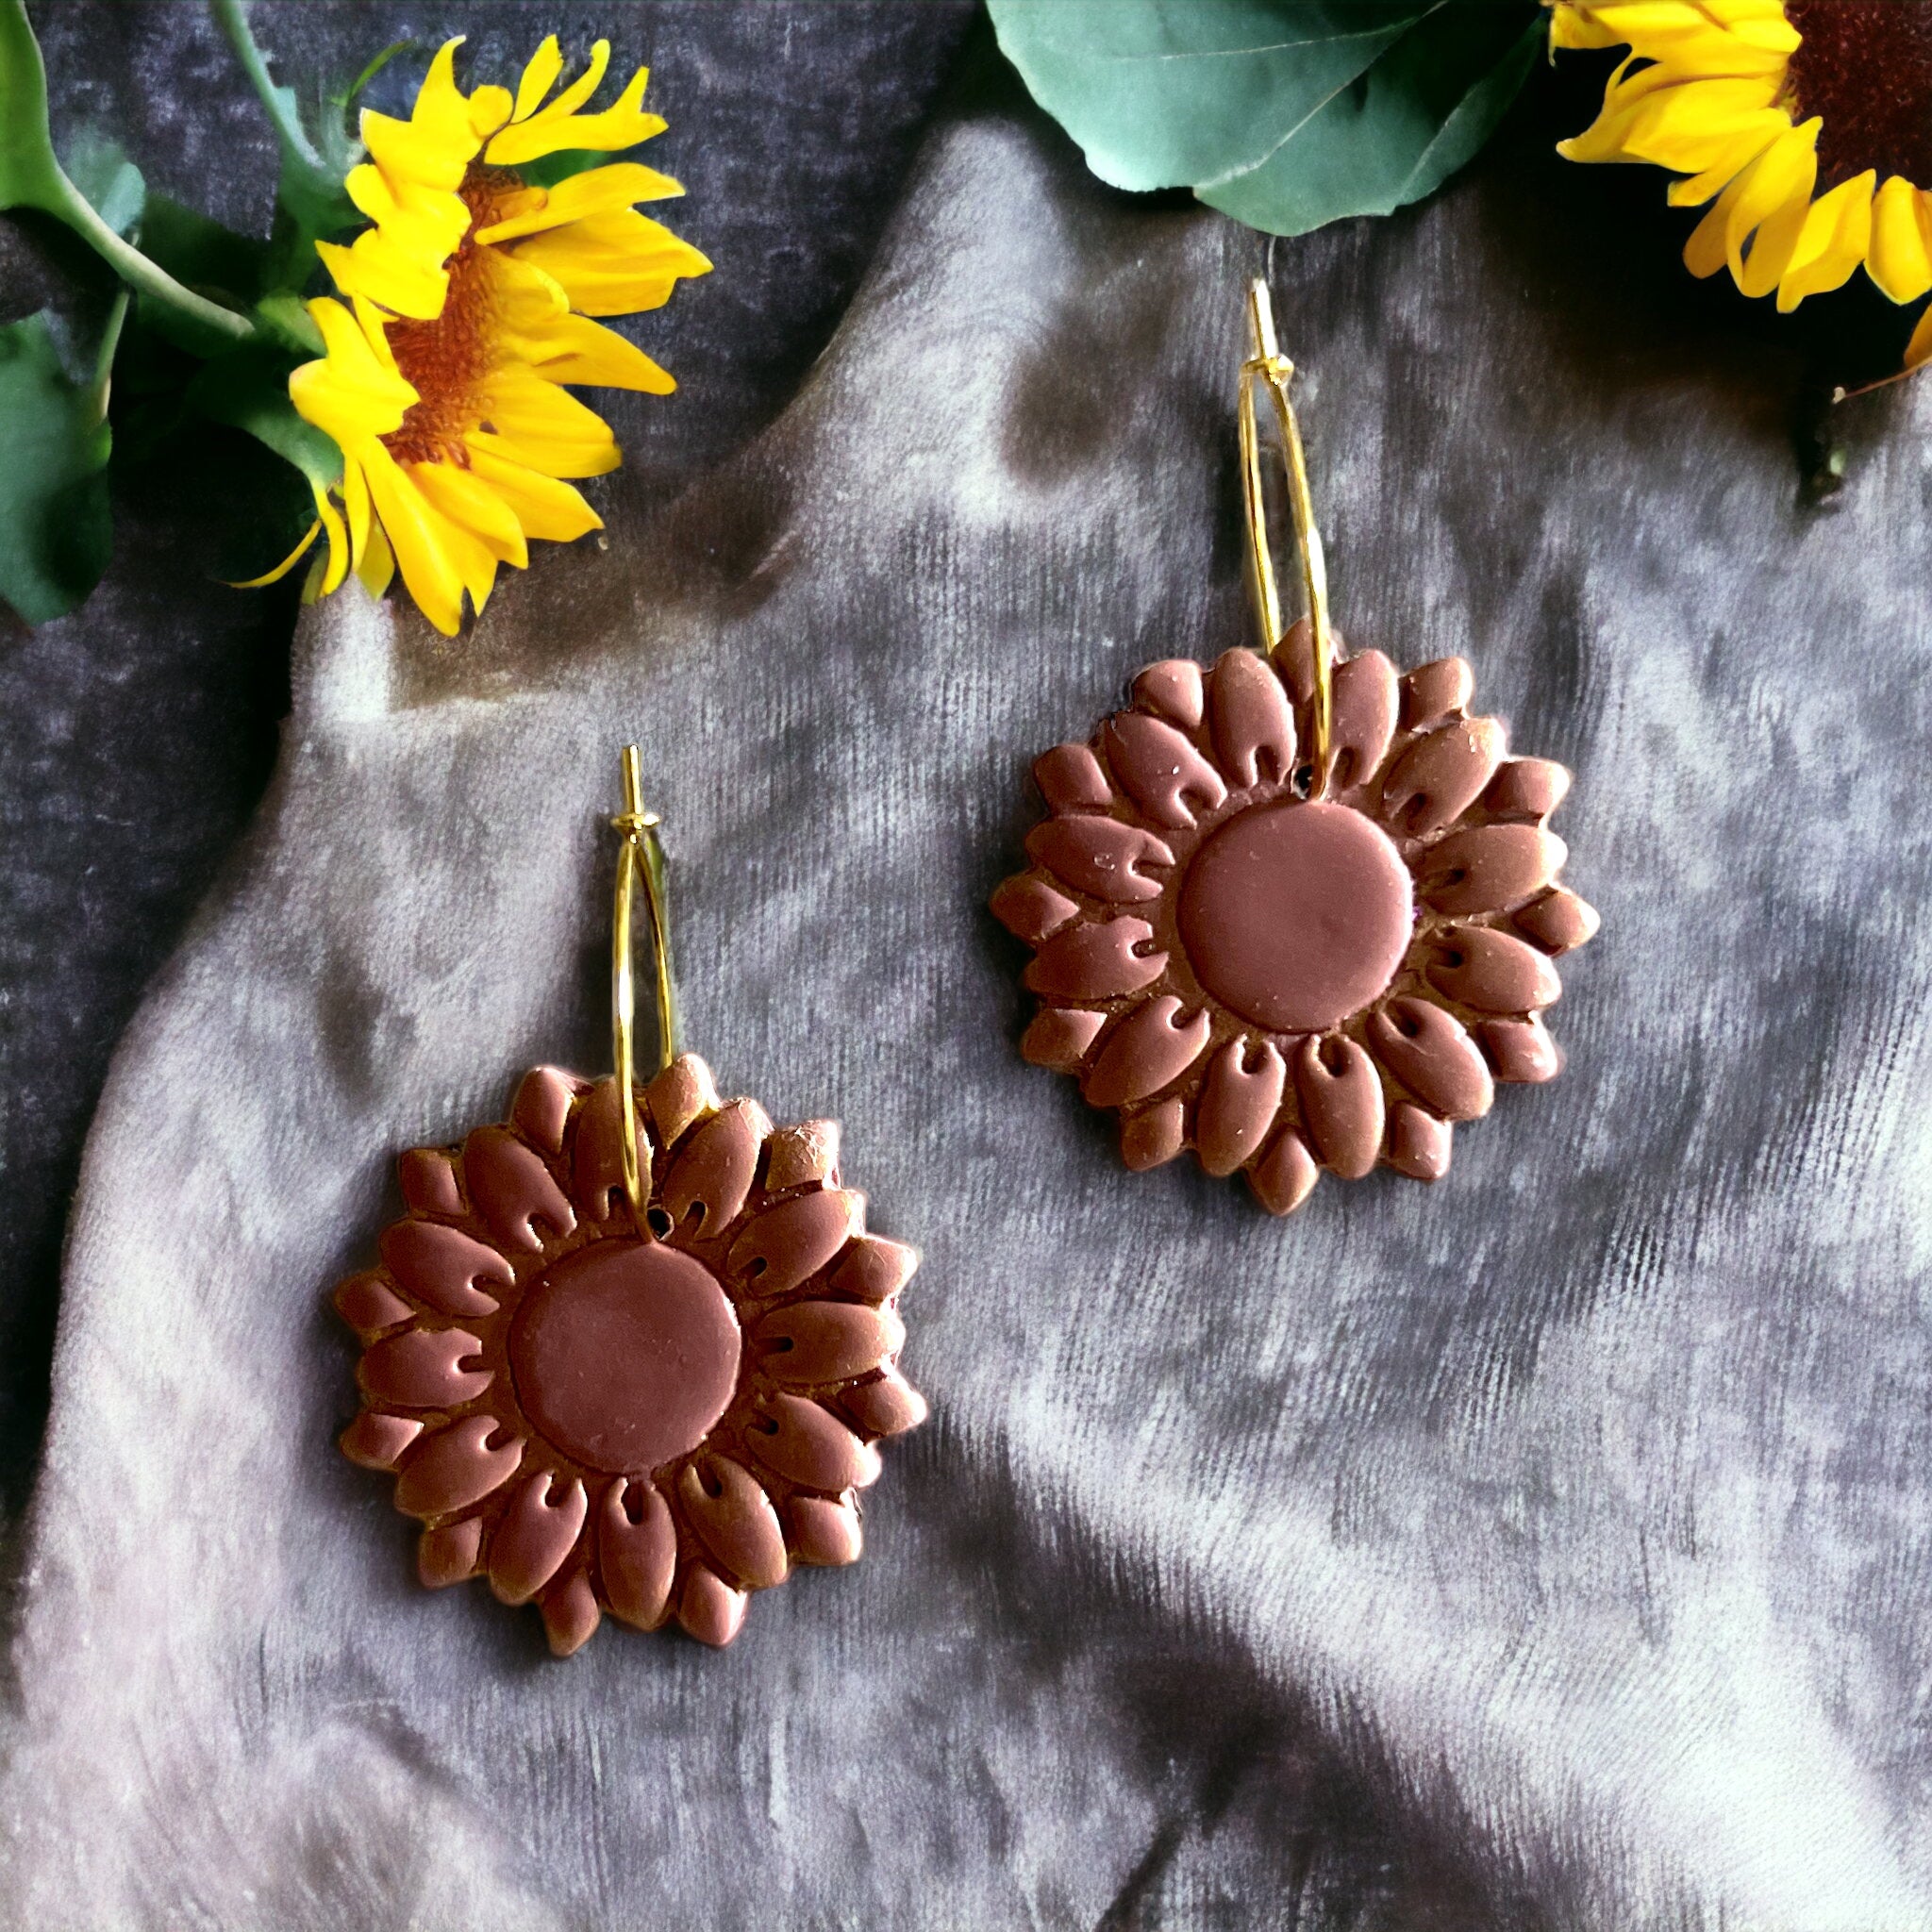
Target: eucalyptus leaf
[(1286, 114), (56, 531)]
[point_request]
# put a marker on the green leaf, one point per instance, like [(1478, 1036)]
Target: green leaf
[(110, 182), (1419, 113), (248, 390), (546, 170), (199, 251), (1286, 114), (281, 316), (55, 532), (29, 175)]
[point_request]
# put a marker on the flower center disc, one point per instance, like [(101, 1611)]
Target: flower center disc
[(1296, 915), (1865, 68), (626, 1356)]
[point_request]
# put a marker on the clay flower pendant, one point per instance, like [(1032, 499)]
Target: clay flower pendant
[(1289, 913), (642, 1371)]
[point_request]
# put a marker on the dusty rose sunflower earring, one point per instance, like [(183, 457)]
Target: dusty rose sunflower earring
[(1293, 911), (633, 1357)]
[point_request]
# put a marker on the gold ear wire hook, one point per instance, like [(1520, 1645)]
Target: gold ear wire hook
[(641, 854), (1269, 365)]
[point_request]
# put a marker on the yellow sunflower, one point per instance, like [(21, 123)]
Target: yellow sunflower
[(467, 309), (1809, 121)]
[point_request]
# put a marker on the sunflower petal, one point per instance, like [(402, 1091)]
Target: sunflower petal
[(420, 538), (355, 508), (338, 546), (545, 507), (596, 191), (540, 76), (434, 146), (377, 566), (489, 109), (466, 500), (1900, 262), (622, 125), (347, 393), (1834, 239), (583, 87), (379, 269), (542, 426), (283, 568), (614, 264), (573, 348)]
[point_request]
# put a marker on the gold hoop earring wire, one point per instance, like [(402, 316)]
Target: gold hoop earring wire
[(640, 856), (1270, 367)]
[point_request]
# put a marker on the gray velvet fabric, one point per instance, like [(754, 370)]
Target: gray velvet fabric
[(1546, 1548)]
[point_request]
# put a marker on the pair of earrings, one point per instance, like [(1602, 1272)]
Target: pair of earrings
[(632, 1350)]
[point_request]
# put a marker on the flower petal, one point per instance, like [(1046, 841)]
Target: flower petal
[(798, 1439), (537, 1531), (348, 393), (1238, 1105), (1427, 1049), (1493, 972), (1151, 1047), (557, 125), (467, 501), (1095, 960), (573, 348), (1340, 1096), (709, 1608), (542, 504), (706, 1188), (541, 426), (823, 1530), (637, 1552), (726, 1505), (811, 1343), (614, 264), (540, 76), (457, 1467), (513, 1189), (786, 1245), (595, 191), (888, 1404), (441, 1266), (1900, 262), (420, 1369), (1834, 240), (421, 538), (569, 1614)]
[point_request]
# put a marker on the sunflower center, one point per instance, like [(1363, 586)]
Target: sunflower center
[(626, 1355), (1296, 915), (443, 360), (1865, 67)]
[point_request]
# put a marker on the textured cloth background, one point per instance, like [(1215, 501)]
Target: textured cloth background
[(1547, 1548)]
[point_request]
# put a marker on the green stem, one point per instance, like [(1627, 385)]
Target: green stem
[(104, 362), (289, 128), (136, 270)]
